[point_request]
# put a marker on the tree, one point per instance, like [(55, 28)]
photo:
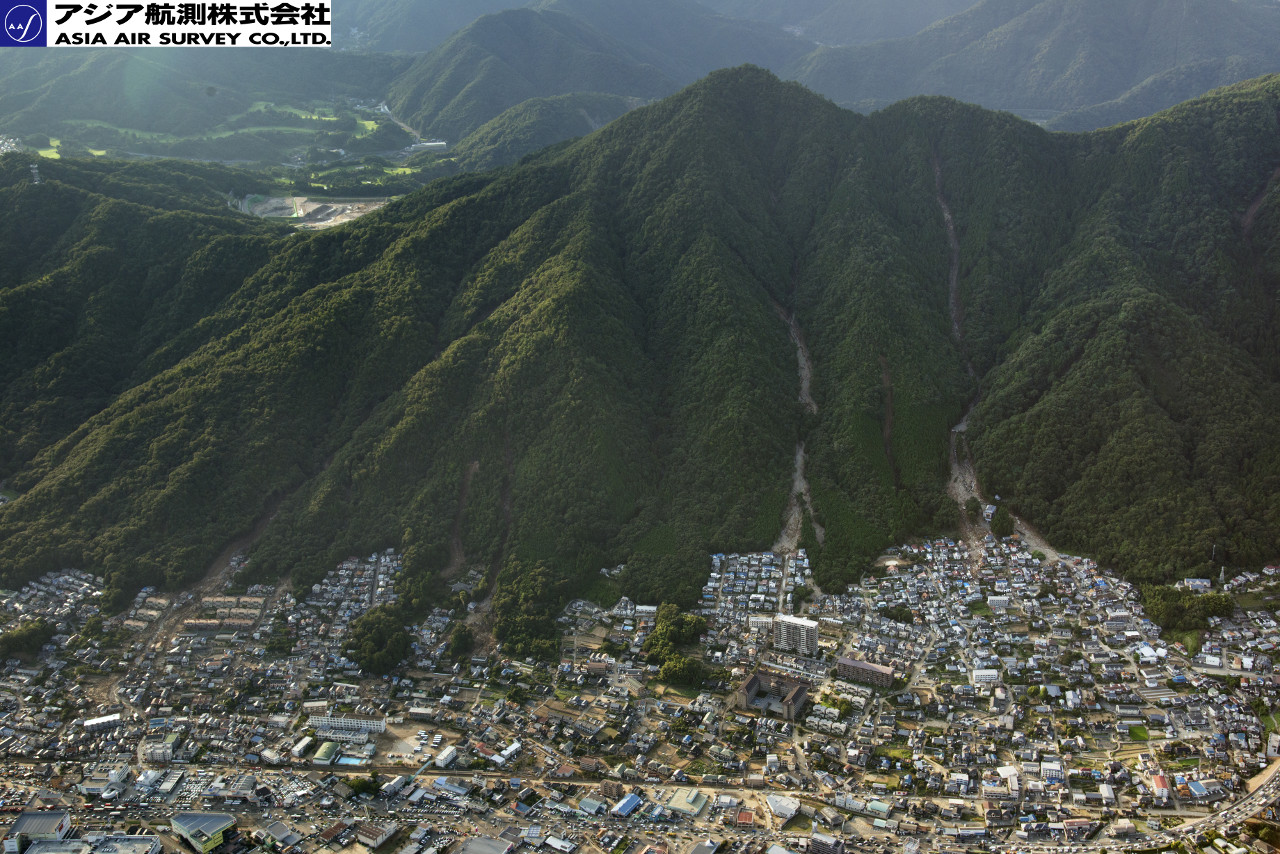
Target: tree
[(681, 670), (1002, 523), (899, 614), (1179, 609), (377, 640), (672, 631), (364, 785), (973, 508), (27, 639), (461, 641)]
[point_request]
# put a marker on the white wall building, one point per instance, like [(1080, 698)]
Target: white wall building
[(795, 634)]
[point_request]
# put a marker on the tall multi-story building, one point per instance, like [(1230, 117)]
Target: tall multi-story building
[(795, 634), (824, 843)]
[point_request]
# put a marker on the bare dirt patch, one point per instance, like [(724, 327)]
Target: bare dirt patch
[(312, 213)]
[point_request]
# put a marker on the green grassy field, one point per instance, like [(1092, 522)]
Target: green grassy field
[(901, 753), (280, 140), (262, 106), (1190, 639), (1252, 600)]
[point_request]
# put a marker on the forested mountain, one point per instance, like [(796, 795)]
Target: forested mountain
[(1162, 90), (1047, 58), (1069, 64), (536, 123), (419, 25), (1074, 64), (408, 26), (505, 59), (629, 48), (586, 359)]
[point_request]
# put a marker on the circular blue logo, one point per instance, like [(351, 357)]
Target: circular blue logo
[(23, 24)]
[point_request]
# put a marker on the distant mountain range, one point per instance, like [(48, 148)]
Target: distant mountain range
[(1061, 59), (505, 59), (1068, 64), (587, 359), (1073, 64), (419, 25), (407, 26)]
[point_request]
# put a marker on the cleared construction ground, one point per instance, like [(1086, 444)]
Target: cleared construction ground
[(309, 213)]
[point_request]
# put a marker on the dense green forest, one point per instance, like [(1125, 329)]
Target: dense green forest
[(583, 360), (1179, 609), (535, 124), (505, 59), (26, 640)]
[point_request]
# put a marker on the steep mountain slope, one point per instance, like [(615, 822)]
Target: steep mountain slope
[(1076, 65), (627, 48), (504, 59), (1162, 90), (536, 123), (587, 359), (106, 275), (1044, 57), (1131, 419), (410, 26)]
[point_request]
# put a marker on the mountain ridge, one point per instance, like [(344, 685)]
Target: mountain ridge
[(591, 343), (1029, 55), (1072, 65)]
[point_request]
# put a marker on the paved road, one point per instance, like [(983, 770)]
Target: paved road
[(1267, 788)]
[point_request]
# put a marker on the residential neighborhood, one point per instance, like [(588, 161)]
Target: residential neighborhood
[(964, 695)]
